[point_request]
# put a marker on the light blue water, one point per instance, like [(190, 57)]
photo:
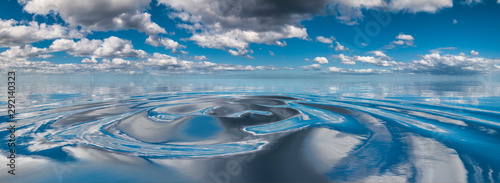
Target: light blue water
[(339, 128)]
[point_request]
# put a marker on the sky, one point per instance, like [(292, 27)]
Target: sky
[(431, 37)]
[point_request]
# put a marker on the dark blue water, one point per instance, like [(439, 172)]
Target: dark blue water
[(163, 129)]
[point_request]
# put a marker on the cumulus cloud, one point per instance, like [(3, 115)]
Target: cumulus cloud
[(379, 53), (271, 53), (98, 15), (429, 6), (200, 57), (401, 40), (455, 21), (350, 12), (236, 24), (243, 52), (26, 51), (321, 60), (438, 64), (240, 39), (15, 33), (340, 47), (325, 39), (157, 62), (168, 43), (356, 71), (346, 60), (378, 61), (89, 60), (475, 53), (312, 67), (405, 37), (109, 47)]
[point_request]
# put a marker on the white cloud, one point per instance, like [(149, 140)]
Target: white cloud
[(109, 47), (281, 43), (470, 2), (321, 60), (449, 65), (356, 71), (116, 61), (399, 42), (350, 11), (455, 21), (271, 53), (378, 61), (243, 52), (168, 43), (200, 58), (14, 33), (340, 47), (236, 24), (26, 51), (438, 50), (98, 15), (156, 63), (401, 39), (405, 37), (325, 39), (379, 53), (412, 6), (312, 67), (475, 53), (240, 39), (346, 60), (89, 60)]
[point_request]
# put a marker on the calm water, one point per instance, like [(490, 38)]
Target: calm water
[(145, 128)]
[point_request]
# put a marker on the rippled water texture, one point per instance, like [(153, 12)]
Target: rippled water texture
[(265, 130)]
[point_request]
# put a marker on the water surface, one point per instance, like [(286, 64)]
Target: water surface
[(341, 128)]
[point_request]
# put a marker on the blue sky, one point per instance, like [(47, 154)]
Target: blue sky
[(322, 36)]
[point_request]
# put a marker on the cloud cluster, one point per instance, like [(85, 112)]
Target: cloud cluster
[(475, 53), (356, 71), (109, 47), (235, 24), (439, 50), (98, 15), (350, 12), (312, 67), (380, 54), (438, 64), (200, 57), (321, 60), (340, 47), (240, 39), (26, 51), (378, 60), (168, 43), (156, 63), (15, 33), (325, 39), (401, 40)]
